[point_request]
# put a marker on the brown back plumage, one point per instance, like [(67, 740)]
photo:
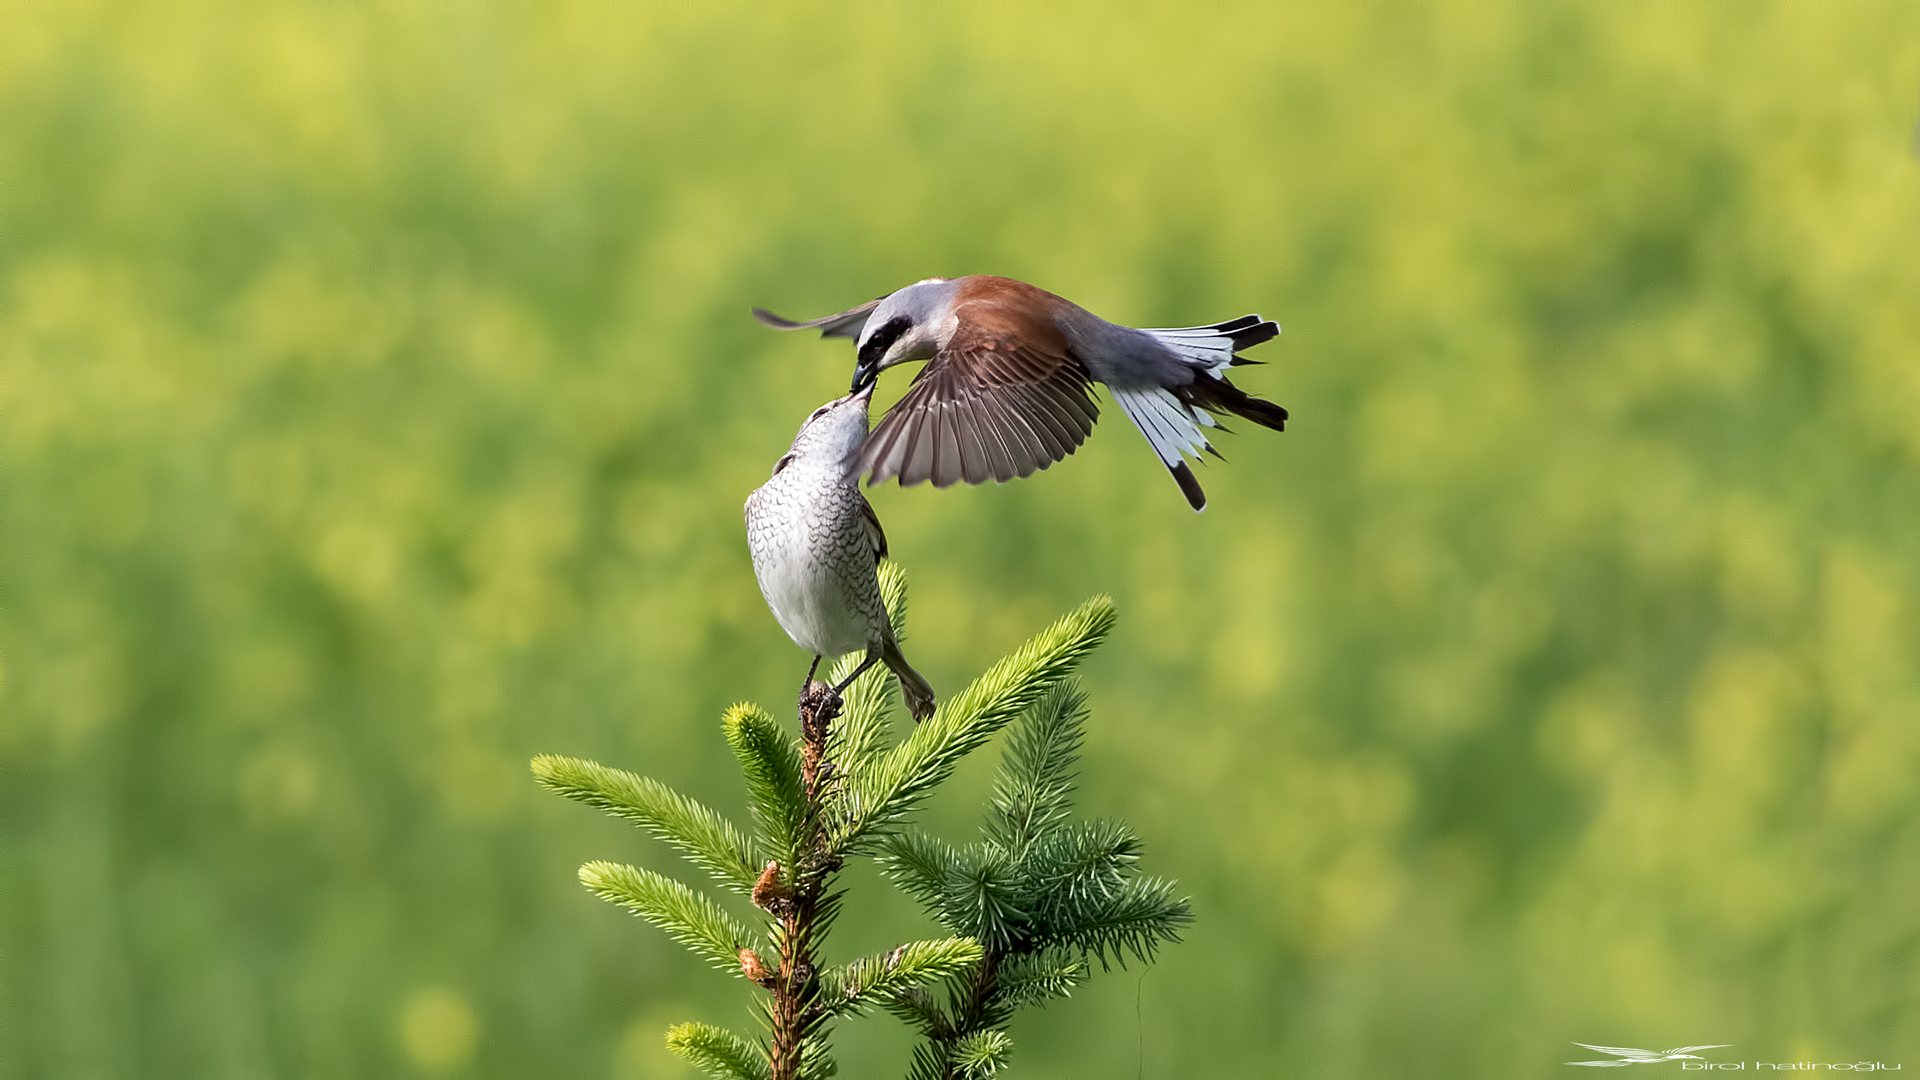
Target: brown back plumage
[(1004, 398)]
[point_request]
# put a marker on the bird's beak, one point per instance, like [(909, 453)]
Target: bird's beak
[(864, 376)]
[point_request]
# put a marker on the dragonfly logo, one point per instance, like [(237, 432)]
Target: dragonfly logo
[(1624, 1055)]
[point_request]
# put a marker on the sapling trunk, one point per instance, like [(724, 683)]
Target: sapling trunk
[(797, 910)]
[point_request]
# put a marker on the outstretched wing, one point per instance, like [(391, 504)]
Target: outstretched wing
[(1004, 398), (845, 324), (1625, 1052), (1691, 1049)]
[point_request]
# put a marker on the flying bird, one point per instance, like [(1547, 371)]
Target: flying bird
[(1008, 389), (816, 546), (1643, 1057)]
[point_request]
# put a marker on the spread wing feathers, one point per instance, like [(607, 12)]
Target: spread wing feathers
[(875, 534), (1691, 1049), (846, 324), (1214, 346), (989, 409), (1172, 428)]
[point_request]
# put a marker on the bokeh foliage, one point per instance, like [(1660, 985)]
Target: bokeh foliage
[(379, 400)]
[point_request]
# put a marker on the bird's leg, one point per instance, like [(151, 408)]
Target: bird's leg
[(857, 672), (807, 684)]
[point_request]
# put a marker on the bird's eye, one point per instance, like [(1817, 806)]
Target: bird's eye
[(817, 414), (883, 339)]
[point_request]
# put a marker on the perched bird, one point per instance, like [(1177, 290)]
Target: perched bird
[(816, 544), (1008, 389)]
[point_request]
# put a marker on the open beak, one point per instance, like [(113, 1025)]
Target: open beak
[(864, 376)]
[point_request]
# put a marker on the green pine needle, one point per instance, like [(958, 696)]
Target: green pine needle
[(981, 1054), (893, 590), (1034, 788), (719, 1052), (1135, 920), (770, 762), (860, 734), (984, 898), (924, 866), (704, 837), (1036, 978), (916, 1006), (1082, 863), (872, 980), (929, 1062), (816, 1058), (896, 782), (686, 916)]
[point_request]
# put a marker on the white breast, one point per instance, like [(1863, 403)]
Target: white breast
[(809, 550)]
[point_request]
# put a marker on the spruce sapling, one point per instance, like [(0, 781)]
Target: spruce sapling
[(838, 790)]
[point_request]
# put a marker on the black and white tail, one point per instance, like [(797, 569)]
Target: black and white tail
[(1214, 346), (1171, 418)]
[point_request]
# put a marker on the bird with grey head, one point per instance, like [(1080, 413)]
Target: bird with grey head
[(1008, 385), (817, 544)]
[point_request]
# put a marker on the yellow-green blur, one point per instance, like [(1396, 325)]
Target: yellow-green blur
[(378, 398)]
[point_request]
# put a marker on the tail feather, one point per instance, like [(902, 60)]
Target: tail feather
[(1216, 394), (1171, 428), (1174, 418), (916, 691), (1190, 487), (1214, 346)]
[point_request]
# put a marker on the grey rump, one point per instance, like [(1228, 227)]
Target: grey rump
[(816, 545)]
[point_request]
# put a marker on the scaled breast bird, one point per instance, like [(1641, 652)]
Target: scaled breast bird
[(816, 544), (1008, 389)]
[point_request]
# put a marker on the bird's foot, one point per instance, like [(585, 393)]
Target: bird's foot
[(821, 700), (812, 693)]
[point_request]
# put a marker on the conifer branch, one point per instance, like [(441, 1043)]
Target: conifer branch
[(1038, 977), (929, 1061), (704, 837), (916, 1006), (985, 895), (1041, 893), (1035, 788), (901, 777), (719, 1052), (873, 980), (924, 867), (686, 916), (981, 1054), (1082, 863), (1137, 919), (772, 769)]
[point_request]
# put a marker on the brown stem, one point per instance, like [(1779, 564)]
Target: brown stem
[(794, 989)]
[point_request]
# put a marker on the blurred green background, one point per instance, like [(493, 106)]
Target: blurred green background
[(380, 398)]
